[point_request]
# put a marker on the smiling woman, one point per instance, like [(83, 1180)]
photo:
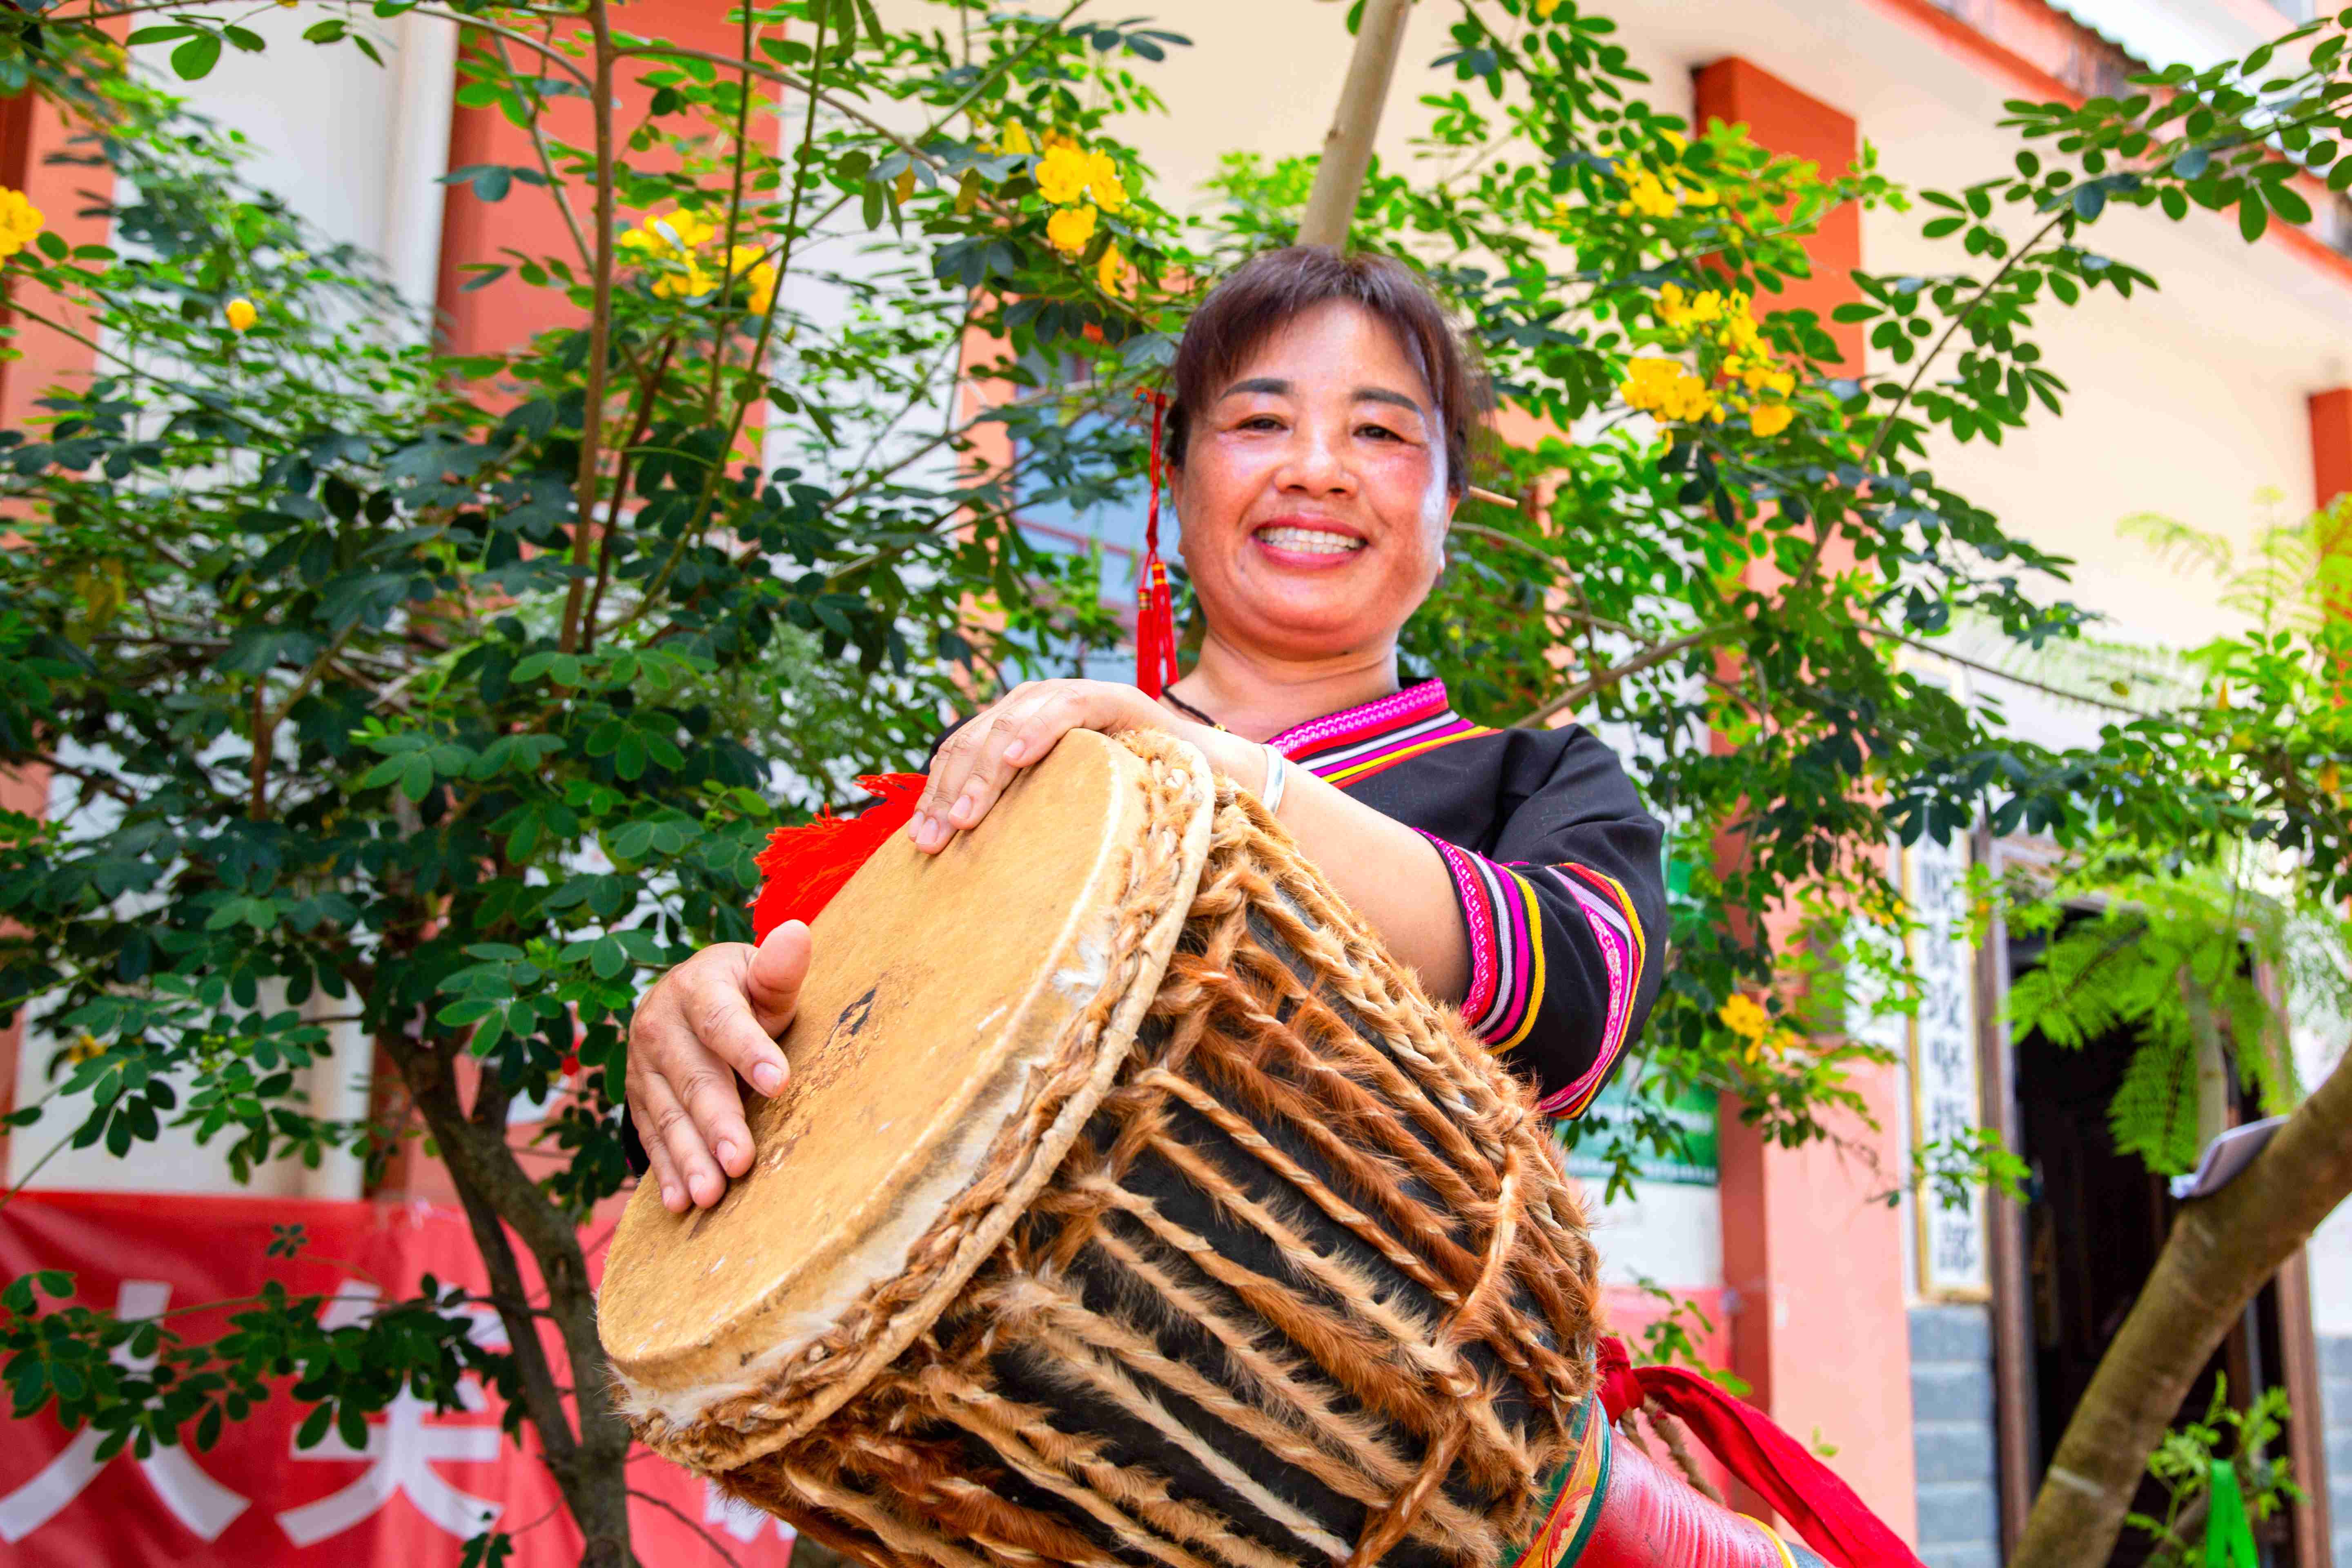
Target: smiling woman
[(1320, 437)]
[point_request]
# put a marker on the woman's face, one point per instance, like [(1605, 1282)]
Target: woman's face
[(1313, 496)]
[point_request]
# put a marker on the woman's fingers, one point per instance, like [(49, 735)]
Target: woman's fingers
[(659, 1163), (772, 981), (978, 762), (965, 754), (1018, 740), (712, 1019), (949, 765), (683, 1164)]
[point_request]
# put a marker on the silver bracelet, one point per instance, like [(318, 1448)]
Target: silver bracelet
[(1278, 773)]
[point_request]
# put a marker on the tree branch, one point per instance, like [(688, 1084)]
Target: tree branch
[(600, 332), (1348, 145)]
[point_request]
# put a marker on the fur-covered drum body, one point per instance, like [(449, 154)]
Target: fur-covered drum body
[(1127, 1206)]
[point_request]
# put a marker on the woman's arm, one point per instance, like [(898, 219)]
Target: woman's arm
[(1568, 920), (1391, 874)]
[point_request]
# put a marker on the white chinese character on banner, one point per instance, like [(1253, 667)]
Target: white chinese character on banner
[(194, 1498), (738, 1518), (403, 1449)]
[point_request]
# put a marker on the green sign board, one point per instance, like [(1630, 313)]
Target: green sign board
[(1693, 1163)]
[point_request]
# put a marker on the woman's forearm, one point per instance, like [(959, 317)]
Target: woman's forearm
[(1388, 873)]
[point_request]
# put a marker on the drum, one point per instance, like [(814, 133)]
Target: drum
[(1127, 1207), (1127, 1204)]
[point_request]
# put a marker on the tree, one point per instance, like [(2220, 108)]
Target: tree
[(461, 689), (2206, 961)]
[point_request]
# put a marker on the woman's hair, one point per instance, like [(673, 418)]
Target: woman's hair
[(1266, 293)]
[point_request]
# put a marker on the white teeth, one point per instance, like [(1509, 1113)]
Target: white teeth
[(1309, 541)]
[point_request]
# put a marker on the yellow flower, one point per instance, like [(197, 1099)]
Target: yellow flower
[(1770, 418), (2331, 778), (762, 281), (241, 314), (1062, 176), (86, 1046), (1108, 271), (1647, 195), (1544, 8), (20, 220), (1677, 309), (1058, 141), (1016, 140), (906, 188), (1665, 388), (684, 285), (671, 235), (1102, 179), (1070, 228), (1745, 1016)]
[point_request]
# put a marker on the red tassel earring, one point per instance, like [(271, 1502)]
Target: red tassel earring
[(1155, 609)]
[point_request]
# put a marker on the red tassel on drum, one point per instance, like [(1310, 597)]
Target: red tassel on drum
[(1155, 608), (804, 867), (1752, 1446)]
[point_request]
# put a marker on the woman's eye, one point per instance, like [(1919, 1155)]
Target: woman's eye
[(1378, 432), (1260, 421)]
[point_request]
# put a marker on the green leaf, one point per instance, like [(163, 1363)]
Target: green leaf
[(194, 60), (313, 1430), (2253, 217), (608, 959)]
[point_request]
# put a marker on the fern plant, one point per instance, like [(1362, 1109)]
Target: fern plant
[(2203, 963), (2196, 963)]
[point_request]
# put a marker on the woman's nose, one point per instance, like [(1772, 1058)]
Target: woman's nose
[(1315, 463)]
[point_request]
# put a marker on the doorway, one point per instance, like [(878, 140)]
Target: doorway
[(2093, 1225)]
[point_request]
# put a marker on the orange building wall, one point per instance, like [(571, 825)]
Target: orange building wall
[(1784, 121), (1814, 1267), (2331, 444), (509, 312), (32, 130)]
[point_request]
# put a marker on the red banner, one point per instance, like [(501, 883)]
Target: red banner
[(425, 1482)]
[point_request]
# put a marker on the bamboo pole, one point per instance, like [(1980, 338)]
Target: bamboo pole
[(1347, 146)]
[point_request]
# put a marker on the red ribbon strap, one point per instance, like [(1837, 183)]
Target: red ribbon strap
[(1752, 1446)]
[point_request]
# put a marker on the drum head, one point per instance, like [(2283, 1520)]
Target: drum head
[(963, 1014)]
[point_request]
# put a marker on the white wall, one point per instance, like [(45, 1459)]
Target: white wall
[(336, 1088), (354, 146)]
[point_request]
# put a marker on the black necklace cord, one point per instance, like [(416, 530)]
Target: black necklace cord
[(1187, 710)]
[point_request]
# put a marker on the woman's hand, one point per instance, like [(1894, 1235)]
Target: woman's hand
[(706, 1023), (1019, 729)]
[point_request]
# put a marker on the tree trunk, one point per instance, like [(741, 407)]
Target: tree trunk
[(587, 1460), (1348, 147), (2221, 1250)]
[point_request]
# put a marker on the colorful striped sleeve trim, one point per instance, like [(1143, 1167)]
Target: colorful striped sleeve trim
[(1505, 925), (1349, 747), (1347, 764), (1608, 910)]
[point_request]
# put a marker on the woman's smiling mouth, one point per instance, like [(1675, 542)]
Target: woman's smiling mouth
[(1285, 539)]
